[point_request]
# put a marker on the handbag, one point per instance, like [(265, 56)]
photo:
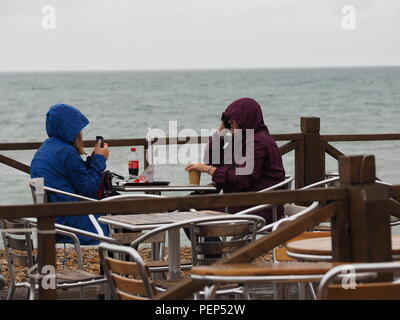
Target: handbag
[(106, 188)]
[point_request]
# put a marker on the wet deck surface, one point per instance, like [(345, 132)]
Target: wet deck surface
[(90, 293), (263, 292)]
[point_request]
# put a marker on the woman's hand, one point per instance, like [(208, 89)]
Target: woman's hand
[(102, 151), (222, 131), (201, 167), (221, 127)]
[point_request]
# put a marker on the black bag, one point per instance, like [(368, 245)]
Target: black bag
[(106, 188)]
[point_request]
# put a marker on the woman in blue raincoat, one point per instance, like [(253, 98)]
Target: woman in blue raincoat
[(59, 162)]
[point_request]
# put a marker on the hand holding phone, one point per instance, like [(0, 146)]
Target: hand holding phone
[(101, 140), (101, 147)]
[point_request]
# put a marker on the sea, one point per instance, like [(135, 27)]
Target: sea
[(126, 104)]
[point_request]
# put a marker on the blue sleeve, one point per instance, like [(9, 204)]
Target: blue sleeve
[(85, 179), (88, 161)]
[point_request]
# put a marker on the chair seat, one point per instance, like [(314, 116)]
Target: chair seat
[(65, 276), (163, 263), (266, 269), (167, 284)]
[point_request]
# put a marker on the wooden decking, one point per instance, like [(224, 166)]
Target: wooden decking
[(90, 293)]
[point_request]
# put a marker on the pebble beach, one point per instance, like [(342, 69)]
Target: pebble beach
[(66, 259)]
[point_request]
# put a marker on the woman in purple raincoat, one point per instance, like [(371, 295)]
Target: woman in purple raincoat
[(261, 152)]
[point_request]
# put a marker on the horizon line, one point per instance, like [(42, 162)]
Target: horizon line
[(201, 69)]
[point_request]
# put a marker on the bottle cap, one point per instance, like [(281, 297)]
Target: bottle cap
[(133, 149)]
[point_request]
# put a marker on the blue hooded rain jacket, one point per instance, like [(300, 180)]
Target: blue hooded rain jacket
[(62, 167)]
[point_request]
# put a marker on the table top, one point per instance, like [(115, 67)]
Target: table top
[(183, 187), (152, 219), (266, 269), (323, 246)]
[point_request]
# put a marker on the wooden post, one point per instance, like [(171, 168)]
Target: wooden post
[(313, 161), (46, 251), (46, 257), (299, 165), (361, 230)]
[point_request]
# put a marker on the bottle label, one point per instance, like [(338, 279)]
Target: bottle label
[(133, 167), (134, 164)]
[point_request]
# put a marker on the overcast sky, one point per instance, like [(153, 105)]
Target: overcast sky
[(197, 34)]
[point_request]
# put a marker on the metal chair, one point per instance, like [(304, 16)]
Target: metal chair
[(17, 239), (285, 185), (293, 212), (394, 220), (250, 274), (39, 194), (126, 238), (232, 230), (361, 291), (117, 236), (129, 280)]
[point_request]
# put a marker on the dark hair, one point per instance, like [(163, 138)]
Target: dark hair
[(225, 120)]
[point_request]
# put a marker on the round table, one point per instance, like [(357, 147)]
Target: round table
[(320, 249)]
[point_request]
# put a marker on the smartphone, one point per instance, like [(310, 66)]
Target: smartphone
[(101, 139)]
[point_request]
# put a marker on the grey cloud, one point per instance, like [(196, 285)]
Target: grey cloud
[(159, 34)]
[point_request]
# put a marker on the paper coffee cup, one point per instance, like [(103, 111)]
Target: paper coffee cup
[(194, 177)]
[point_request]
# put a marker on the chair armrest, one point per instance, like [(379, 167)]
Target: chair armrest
[(77, 246), (85, 233), (76, 231)]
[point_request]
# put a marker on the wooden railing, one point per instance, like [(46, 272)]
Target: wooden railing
[(309, 147), (359, 210)]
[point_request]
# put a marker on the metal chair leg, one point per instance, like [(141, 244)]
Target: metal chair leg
[(246, 294), (312, 291), (11, 291), (302, 287)]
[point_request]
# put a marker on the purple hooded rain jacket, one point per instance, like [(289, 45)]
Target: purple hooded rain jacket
[(268, 167)]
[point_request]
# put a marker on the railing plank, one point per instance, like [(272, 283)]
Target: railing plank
[(172, 203), (8, 146), (360, 137), (394, 208), (332, 151), (14, 164), (288, 147)]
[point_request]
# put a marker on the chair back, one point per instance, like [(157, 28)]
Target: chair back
[(40, 195), (129, 280), (360, 291), (284, 185), (214, 240), (18, 246)]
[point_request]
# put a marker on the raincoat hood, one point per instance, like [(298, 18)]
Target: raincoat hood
[(247, 113), (65, 122)]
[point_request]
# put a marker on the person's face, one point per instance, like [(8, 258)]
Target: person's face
[(234, 125)]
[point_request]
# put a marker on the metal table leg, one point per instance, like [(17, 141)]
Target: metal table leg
[(174, 253)]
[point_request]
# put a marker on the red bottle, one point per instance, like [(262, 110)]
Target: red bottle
[(133, 164)]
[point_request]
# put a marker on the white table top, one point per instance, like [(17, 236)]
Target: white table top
[(152, 220), (143, 187)]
